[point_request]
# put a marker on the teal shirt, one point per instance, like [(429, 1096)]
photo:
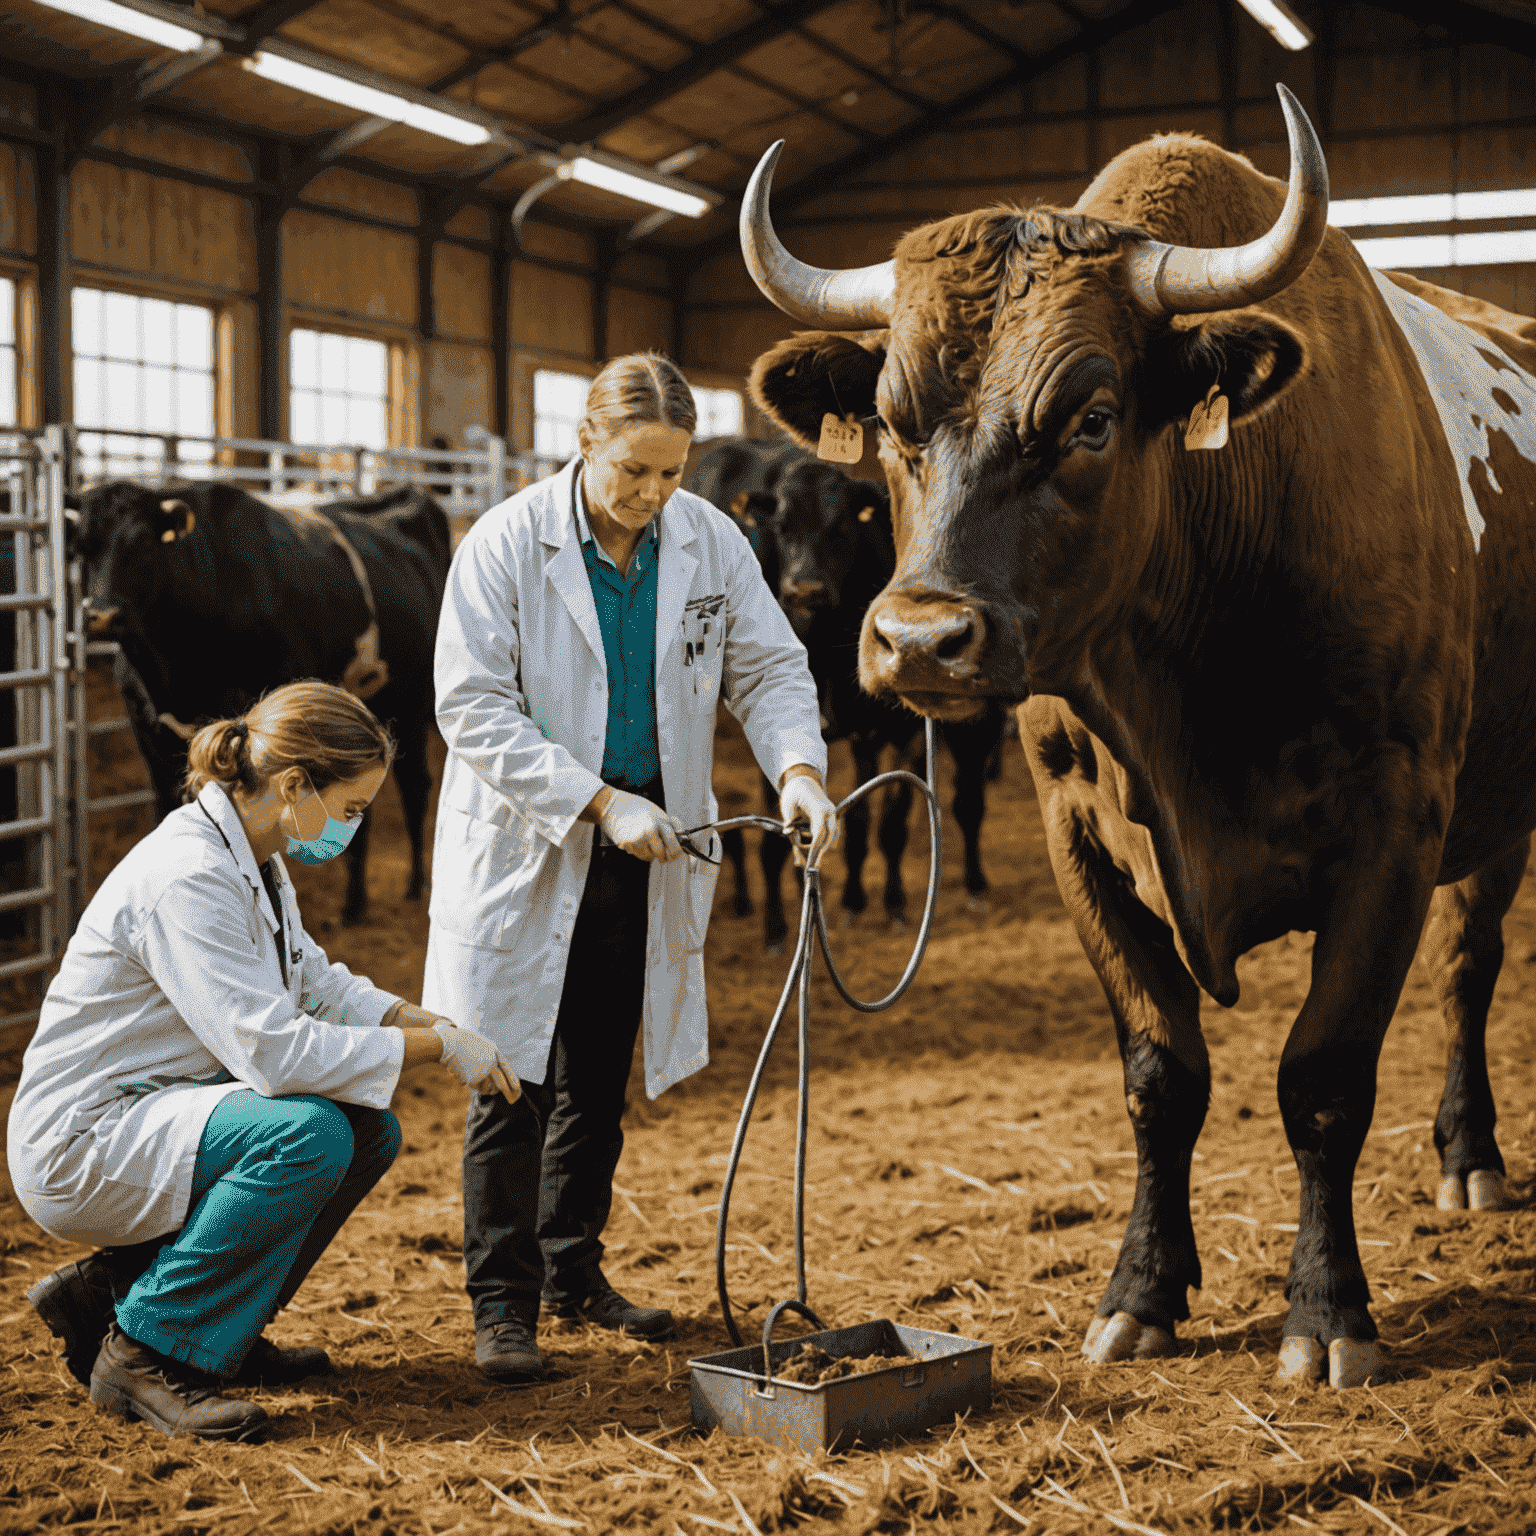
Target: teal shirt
[(626, 618)]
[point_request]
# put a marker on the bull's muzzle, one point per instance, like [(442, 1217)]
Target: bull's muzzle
[(919, 647), (99, 620)]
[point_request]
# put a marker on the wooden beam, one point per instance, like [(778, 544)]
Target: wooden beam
[(259, 21), (828, 178), (1465, 23), (132, 91), (556, 23), (331, 149), (719, 54)]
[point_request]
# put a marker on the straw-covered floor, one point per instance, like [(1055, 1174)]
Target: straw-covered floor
[(970, 1171)]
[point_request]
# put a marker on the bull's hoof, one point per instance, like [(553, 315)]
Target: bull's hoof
[(977, 904), (1122, 1337), (1345, 1363), (773, 947), (899, 922), (1483, 1190), (847, 921)]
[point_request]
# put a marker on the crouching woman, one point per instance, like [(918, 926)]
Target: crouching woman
[(206, 1098)]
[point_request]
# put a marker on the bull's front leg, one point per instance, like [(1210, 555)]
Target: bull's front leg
[(1167, 1073), (1327, 1088)]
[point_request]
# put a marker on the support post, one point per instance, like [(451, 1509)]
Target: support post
[(269, 298), (53, 222), (602, 290), (501, 327), (1226, 64)]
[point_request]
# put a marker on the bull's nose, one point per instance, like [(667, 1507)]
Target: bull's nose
[(98, 619), (934, 636), (799, 590)]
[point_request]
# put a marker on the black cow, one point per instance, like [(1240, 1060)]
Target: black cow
[(215, 597), (826, 541)]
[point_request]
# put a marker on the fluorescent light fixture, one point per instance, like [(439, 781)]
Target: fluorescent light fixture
[(1495, 247), (1280, 21), (365, 98), (597, 173), (123, 18)]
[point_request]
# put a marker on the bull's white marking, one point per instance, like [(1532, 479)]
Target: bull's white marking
[(1461, 382)]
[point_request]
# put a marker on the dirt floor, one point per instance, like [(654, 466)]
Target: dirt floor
[(970, 1172)]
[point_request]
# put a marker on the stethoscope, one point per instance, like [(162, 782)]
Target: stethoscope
[(285, 955)]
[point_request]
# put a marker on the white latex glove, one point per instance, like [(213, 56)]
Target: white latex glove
[(641, 828), (803, 800), (476, 1062)]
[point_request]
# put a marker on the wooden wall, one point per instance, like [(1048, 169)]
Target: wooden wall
[(351, 261), (1396, 117)]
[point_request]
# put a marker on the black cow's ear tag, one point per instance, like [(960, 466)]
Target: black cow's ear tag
[(169, 536), (867, 514), (841, 441), (1208, 421)]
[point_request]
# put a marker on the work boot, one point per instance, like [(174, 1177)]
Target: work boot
[(137, 1382), (604, 1306), (508, 1352), (268, 1365), (76, 1304)]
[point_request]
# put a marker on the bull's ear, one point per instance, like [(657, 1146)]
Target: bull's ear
[(177, 520), (816, 372), (1252, 360), (752, 507)]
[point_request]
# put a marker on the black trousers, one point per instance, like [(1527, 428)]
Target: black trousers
[(538, 1174)]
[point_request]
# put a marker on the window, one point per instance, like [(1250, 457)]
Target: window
[(338, 390), (7, 352), (143, 370), (559, 402), (1453, 248), (719, 412)]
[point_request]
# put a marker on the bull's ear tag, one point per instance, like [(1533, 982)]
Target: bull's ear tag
[(841, 441), (1208, 421)]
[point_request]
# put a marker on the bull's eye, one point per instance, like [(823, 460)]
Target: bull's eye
[(1094, 431)]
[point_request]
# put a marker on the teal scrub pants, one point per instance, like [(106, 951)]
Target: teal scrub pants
[(273, 1183)]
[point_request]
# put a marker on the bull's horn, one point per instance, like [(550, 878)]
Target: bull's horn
[(1184, 280), (854, 300)]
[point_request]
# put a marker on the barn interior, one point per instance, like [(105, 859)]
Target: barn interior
[(206, 251)]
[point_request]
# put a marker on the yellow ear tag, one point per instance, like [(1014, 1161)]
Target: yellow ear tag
[(841, 441), (1208, 421)]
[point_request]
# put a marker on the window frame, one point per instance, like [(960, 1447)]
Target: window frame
[(91, 280), (401, 370)]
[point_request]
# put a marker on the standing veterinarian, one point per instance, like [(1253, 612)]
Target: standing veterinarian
[(590, 627)]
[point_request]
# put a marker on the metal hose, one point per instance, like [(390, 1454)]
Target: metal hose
[(813, 917)]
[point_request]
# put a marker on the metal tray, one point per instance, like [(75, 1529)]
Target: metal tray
[(935, 1376)]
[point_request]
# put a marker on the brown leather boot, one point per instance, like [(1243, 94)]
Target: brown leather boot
[(137, 1382), (76, 1304)]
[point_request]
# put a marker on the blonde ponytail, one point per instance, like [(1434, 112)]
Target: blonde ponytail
[(220, 754), (319, 728)]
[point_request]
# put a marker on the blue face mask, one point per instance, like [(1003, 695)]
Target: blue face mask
[(333, 839)]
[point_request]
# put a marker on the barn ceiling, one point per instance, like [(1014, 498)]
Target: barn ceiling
[(706, 85)]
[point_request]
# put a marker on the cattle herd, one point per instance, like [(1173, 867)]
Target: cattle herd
[(1280, 681)]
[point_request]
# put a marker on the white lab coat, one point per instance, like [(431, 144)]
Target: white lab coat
[(170, 996), (522, 701)]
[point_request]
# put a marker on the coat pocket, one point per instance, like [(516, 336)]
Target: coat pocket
[(477, 875), (699, 897)]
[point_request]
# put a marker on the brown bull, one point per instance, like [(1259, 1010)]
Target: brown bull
[(1285, 683)]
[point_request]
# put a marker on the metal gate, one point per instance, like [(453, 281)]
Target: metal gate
[(39, 873)]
